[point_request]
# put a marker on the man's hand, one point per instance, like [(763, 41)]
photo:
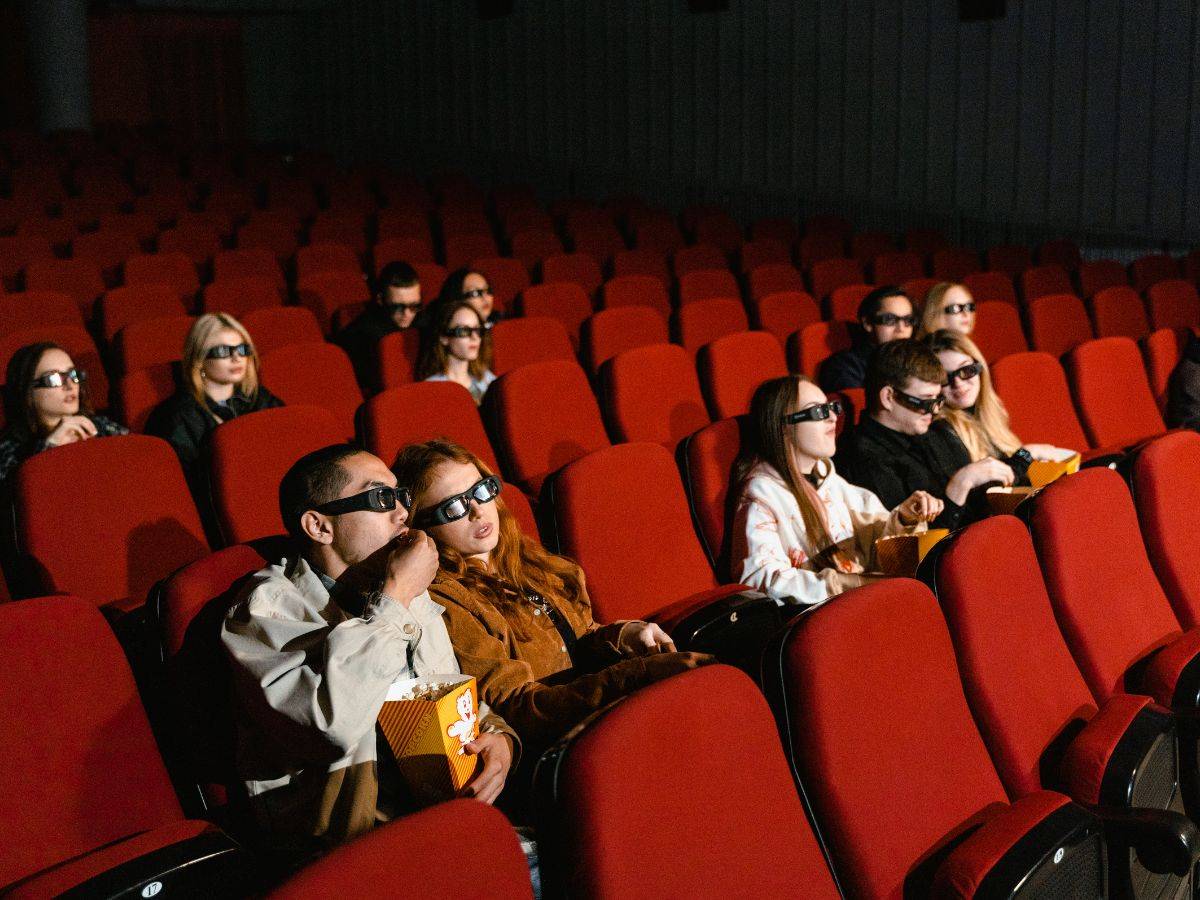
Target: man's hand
[(70, 430), (412, 563), (975, 474), (495, 758), (643, 638), (920, 507)]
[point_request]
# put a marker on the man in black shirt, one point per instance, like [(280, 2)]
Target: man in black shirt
[(885, 314), (394, 307), (897, 449)]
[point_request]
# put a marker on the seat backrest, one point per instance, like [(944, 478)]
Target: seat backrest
[(580, 268), (1060, 252), (396, 357), (772, 278), (704, 284), (34, 309), (866, 245), (732, 367), (891, 781), (1034, 389), (410, 248), (1174, 304), (776, 227), (273, 327), (1147, 271), (635, 564), (844, 301), (413, 413), (541, 417), (829, 274), (636, 290), (1042, 281), (985, 286), (250, 261), (83, 767), (764, 251), (249, 456), (130, 517), (107, 247), (532, 245), (613, 800), (506, 277), (165, 267), (998, 330), (80, 278), (316, 374), (719, 230), (924, 241), (529, 339), (238, 296), (784, 312), (325, 291), (1167, 494), (698, 258), (1108, 382), (814, 248), (896, 268), (459, 248), (429, 841), (151, 342), (123, 305), (652, 394), (1107, 601), (697, 323), (1118, 312), (1010, 258), (954, 263), (75, 340), (561, 300), (641, 261), (708, 460), (1058, 322), (815, 343), (1018, 674), (1162, 350), (1097, 274), (611, 331), (137, 393)]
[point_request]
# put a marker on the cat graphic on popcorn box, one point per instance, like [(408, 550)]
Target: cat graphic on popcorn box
[(426, 722)]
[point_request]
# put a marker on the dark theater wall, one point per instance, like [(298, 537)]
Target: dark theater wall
[(1067, 117)]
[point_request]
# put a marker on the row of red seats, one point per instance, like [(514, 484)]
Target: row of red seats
[(1056, 670)]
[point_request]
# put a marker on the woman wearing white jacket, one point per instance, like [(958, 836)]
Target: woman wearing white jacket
[(801, 532)]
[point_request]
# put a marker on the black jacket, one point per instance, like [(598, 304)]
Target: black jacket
[(1183, 389), (846, 368), (893, 465), (186, 425), (360, 338)]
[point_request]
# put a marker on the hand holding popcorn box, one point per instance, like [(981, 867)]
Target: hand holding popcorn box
[(426, 722), (900, 554)]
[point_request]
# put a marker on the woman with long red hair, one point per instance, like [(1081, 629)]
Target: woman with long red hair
[(519, 617)]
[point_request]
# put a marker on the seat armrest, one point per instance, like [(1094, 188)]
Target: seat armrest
[(732, 623), (1164, 840)]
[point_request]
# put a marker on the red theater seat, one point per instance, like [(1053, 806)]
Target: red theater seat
[(613, 800), (1174, 303), (732, 367), (418, 412), (90, 798), (705, 284), (955, 263), (1043, 281), (636, 290), (866, 245), (719, 230), (541, 417), (529, 339), (123, 305), (1112, 393), (581, 268), (326, 292), (396, 357), (901, 818), (1009, 258), (134, 523), (641, 262), (411, 249), (1034, 389), (165, 267), (138, 392), (695, 324), (698, 258), (1118, 312), (561, 300), (1057, 323), (998, 330), (844, 301), (277, 235), (533, 245), (815, 343), (1097, 274), (272, 327), (763, 252), (601, 241), (249, 456), (34, 309), (17, 251), (107, 248), (651, 394), (897, 268), (1060, 252), (506, 277), (315, 374), (199, 243), (1148, 271), (785, 312), (461, 248), (151, 342), (707, 466), (238, 296), (611, 331), (778, 229), (985, 286), (422, 842), (255, 261), (1161, 351), (774, 278), (924, 241), (80, 278), (813, 248), (828, 275)]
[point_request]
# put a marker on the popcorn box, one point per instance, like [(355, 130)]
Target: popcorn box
[(900, 554), (1003, 500), (426, 722), (1042, 472)]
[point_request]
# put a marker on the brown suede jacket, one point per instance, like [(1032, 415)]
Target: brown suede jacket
[(526, 673)]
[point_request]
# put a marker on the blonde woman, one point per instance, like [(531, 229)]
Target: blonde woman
[(975, 411), (948, 306), (801, 532), (219, 382)]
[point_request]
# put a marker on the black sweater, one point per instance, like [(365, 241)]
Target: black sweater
[(185, 424)]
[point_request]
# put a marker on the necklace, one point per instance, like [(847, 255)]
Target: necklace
[(543, 606)]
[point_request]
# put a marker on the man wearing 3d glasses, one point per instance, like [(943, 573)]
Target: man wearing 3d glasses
[(898, 448), (317, 639), (886, 314)]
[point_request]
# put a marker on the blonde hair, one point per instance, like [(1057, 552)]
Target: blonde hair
[(931, 313), (984, 431), (200, 339)]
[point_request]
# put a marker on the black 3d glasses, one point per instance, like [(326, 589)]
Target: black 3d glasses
[(377, 499), (928, 405), (485, 490), (58, 379), (224, 351), (964, 373), (818, 413)]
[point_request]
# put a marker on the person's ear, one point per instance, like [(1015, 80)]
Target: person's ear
[(867, 325), (318, 527), (887, 398)]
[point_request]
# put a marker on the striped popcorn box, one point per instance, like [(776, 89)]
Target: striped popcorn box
[(426, 722)]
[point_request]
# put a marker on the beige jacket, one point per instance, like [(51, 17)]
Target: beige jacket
[(309, 679)]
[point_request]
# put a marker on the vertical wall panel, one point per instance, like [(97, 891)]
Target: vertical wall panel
[(1062, 118)]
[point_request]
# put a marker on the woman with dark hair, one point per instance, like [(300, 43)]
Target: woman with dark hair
[(472, 286), (802, 533), (457, 347), (519, 617), (220, 382), (46, 405)]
